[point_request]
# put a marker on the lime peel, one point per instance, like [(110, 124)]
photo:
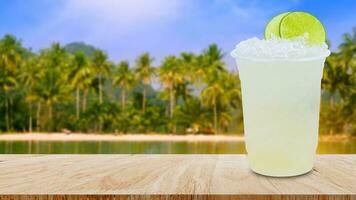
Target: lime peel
[(290, 25)]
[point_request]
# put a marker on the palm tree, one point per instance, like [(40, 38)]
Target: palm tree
[(170, 75), (232, 85), (339, 81), (100, 62), (198, 72), (212, 96), (192, 114), (348, 48), (87, 82), (11, 53), (221, 93), (212, 59), (188, 61), (348, 52), (30, 74), (53, 86), (144, 71), (80, 72), (124, 78), (213, 68), (7, 82), (340, 67), (208, 62)]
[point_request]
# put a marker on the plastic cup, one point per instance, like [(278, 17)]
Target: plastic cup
[(281, 100)]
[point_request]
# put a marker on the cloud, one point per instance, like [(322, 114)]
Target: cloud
[(126, 28), (100, 21), (119, 14), (253, 10)]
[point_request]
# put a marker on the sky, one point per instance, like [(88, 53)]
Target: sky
[(126, 28)]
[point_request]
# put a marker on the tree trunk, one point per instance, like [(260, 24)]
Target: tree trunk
[(185, 94), (111, 92), (171, 99), (100, 99), (167, 109), (77, 102), (7, 115), (332, 107), (216, 119), (84, 106), (100, 90), (30, 117), (50, 117), (11, 113), (144, 99), (38, 121), (123, 99), (171, 109)]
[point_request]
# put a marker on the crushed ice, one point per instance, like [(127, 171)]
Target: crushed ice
[(277, 48)]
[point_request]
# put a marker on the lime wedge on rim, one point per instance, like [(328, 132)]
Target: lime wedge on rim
[(295, 24), (272, 28), (302, 24)]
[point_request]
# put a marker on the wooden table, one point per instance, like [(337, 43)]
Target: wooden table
[(167, 177)]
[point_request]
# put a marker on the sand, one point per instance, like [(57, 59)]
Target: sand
[(111, 137), (138, 137)]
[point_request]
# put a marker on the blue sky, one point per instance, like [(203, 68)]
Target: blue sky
[(124, 29)]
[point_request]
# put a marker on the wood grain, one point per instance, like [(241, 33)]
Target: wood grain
[(168, 177)]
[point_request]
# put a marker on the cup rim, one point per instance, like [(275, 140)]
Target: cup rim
[(255, 59)]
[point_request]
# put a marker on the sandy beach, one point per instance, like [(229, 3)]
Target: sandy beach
[(112, 137), (137, 137)]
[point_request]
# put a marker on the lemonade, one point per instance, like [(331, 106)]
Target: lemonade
[(280, 81)]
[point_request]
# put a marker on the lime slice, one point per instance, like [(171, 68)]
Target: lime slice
[(272, 28), (302, 24)]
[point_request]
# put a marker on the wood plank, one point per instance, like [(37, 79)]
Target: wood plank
[(8, 157), (178, 197), (168, 176)]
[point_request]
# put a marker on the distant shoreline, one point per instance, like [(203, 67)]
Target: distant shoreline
[(137, 137)]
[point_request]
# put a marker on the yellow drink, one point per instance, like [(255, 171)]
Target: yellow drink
[(281, 98)]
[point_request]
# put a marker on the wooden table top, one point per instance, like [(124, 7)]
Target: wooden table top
[(166, 175)]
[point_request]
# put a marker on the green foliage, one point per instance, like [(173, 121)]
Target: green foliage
[(124, 78), (76, 87), (74, 47), (144, 72), (338, 115)]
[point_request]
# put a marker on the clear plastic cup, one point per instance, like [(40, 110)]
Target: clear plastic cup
[(281, 100)]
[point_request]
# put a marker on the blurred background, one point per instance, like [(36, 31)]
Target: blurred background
[(151, 76)]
